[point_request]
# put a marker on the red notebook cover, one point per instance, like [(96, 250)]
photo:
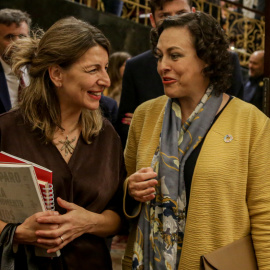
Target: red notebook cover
[(42, 173), (46, 188)]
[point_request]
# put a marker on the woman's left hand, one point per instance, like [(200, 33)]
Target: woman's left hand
[(73, 224)]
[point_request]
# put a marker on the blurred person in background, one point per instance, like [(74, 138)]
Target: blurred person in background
[(261, 7), (113, 6), (117, 64), (14, 24), (253, 89)]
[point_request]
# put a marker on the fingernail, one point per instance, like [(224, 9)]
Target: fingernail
[(56, 213), (123, 121)]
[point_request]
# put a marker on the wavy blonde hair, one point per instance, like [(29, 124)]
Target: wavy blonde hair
[(63, 44)]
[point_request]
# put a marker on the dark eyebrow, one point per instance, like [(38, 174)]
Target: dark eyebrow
[(182, 11), (165, 14), (157, 50), (173, 48), (13, 35)]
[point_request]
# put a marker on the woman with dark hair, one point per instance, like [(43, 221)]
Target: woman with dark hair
[(209, 181), (58, 125)]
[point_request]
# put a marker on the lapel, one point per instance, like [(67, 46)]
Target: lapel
[(4, 94)]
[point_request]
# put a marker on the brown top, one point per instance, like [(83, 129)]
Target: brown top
[(93, 179)]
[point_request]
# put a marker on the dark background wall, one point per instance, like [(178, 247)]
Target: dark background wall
[(123, 34)]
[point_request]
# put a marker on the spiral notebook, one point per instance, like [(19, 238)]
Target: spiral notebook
[(25, 189), (42, 173), (46, 190)]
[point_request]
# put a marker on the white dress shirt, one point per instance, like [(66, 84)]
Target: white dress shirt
[(13, 82)]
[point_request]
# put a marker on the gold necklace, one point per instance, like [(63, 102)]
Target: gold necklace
[(67, 146)]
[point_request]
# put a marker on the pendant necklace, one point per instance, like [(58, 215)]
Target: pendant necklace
[(67, 145)]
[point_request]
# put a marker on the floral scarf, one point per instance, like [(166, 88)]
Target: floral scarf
[(161, 225)]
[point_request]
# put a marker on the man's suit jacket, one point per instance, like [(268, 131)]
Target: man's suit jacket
[(141, 82), (109, 108), (237, 82), (5, 104), (253, 92)]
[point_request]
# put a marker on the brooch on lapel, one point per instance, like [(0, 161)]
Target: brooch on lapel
[(228, 138)]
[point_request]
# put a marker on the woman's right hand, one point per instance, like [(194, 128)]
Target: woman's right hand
[(26, 232), (141, 185)]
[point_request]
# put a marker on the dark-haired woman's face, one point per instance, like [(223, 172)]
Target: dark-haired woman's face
[(179, 66), (84, 82)]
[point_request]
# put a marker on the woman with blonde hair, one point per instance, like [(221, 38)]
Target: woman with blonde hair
[(117, 63), (58, 125)]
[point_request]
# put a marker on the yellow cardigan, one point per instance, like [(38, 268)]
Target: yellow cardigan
[(230, 191)]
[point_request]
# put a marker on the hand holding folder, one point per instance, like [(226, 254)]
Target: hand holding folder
[(22, 194)]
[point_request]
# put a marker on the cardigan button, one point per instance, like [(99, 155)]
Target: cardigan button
[(228, 138)]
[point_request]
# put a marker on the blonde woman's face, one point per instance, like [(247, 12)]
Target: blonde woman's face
[(84, 82)]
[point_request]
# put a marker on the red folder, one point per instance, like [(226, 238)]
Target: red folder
[(44, 179), (42, 173)]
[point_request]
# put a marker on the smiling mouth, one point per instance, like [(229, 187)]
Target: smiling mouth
[(94, 93)]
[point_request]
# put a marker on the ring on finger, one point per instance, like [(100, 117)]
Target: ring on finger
[(61, 239)]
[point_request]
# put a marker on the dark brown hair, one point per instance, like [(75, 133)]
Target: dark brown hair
[(210, 42), (158, 4)]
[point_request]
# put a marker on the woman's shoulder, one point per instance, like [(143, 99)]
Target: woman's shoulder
[(10, 118), (149, 115), (241, 116), (152, 105), (107, 125), (242, 109), (108, 130)]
